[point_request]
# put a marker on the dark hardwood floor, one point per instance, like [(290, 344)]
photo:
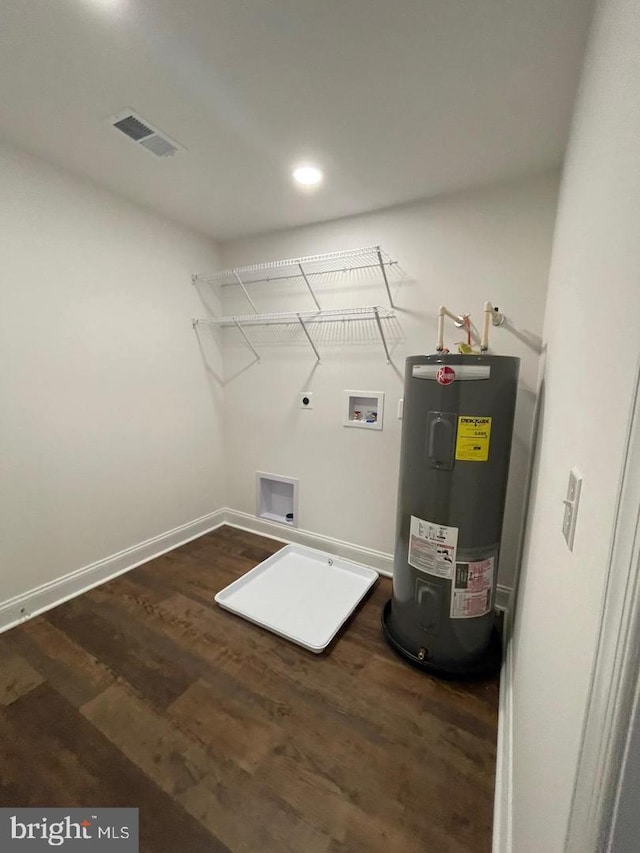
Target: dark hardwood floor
[(144, 693)]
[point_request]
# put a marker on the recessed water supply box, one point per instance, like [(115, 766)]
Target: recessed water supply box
[(364, 409), (277, 498)]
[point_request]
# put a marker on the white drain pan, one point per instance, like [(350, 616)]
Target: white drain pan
[(301, 594)]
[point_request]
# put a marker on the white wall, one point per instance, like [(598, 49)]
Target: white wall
[(591, 335), (110, 427), (624, 825), (488, 244)]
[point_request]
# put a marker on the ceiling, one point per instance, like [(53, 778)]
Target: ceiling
[(396, 99)]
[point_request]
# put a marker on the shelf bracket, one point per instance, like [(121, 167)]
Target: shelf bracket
[(244, 290), (386, 281), (305, 330), (248, 342), (380, 329), (306, 281)]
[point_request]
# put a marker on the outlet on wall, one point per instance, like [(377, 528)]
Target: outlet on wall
[(306, 400)]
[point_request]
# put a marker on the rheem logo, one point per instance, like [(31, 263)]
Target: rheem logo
[(445, 375)]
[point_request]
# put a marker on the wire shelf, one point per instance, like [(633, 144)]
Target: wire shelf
[(282, 318), (304, 319), (344, 262), (304, 269)]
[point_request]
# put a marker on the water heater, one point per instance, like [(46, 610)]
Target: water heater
[(456, 443)]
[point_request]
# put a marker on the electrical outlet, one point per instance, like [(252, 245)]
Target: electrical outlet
[(571, 504), (306, 400)]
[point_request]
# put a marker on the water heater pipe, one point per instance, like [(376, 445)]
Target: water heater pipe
[(442, 313), (490, 314), (484, 338)]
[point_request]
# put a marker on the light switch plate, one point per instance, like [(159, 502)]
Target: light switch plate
[(306, 400), (571, 505), (400, 408)]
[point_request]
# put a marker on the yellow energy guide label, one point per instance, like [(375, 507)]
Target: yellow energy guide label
[(474, 437)]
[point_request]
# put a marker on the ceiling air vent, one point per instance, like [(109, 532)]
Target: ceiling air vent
[(143, 133)]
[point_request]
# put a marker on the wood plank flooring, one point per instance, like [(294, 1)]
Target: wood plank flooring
[(143, 693)]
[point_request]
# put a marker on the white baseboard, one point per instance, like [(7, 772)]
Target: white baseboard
[(42, 598), (378, 560), (503, 799), (503, 597)]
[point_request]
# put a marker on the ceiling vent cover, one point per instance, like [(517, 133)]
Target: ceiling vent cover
[(142, 132)]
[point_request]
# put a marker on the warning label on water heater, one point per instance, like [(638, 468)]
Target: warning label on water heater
[(432, 547), (471, 591), (474, 436)]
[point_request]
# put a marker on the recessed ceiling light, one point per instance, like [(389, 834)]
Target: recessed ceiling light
[(109, 5), (307, 175)]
